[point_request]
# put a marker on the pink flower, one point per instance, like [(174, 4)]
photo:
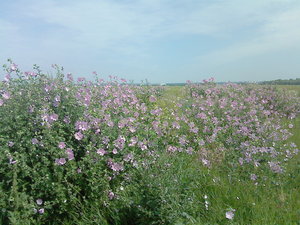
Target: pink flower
[(116, 166), (78, 136), (120, 142), (111, 195), (53, 117), (175, 125), (230, 214), (190, 150), (194, 130), (6, 95), (57, 98), (171, 148), (32, 74), (275, 167), (97, 131), (143, 146), (253, 177), (80, 79), (133, 141), (128, 157), (70, 154), (48, 88), (70, 77), (13, 67), (11, 161), (205, 162), (201, 142), (61, 145), (67, 120), (7, 77), (110, 123), (34, 141), (121, 124), (60, 161), (39, 201), (152, 98), (41, 211), (101, 151), (241, 161), (82, 125)]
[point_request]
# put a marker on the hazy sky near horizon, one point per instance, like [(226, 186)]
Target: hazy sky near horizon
[(158, 40)]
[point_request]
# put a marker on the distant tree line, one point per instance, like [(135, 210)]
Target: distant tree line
[(283, 82)]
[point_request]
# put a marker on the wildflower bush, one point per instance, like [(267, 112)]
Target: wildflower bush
[(105, 152), (242, 125)]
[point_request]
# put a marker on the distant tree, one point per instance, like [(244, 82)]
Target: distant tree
[(283, 82)]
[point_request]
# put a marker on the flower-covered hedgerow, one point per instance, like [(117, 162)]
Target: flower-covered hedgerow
[(67, 144)]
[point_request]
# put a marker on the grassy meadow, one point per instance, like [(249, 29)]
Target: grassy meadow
[(272, 203)]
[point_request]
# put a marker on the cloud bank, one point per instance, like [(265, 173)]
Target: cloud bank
[(164, 41)]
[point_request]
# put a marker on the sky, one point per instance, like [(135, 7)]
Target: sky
[(163, 41)]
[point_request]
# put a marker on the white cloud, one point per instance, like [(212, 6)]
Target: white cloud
[(93, 30), (97, 23), (277, 31), (109, 23)]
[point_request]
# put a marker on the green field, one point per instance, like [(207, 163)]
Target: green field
[(296, 130), (291, 87), (270, 204), (173, 94)]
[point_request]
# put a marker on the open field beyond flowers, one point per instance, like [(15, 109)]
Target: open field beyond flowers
[(109, 152)]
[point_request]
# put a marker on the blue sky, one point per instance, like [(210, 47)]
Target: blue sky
[(158, 40)]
